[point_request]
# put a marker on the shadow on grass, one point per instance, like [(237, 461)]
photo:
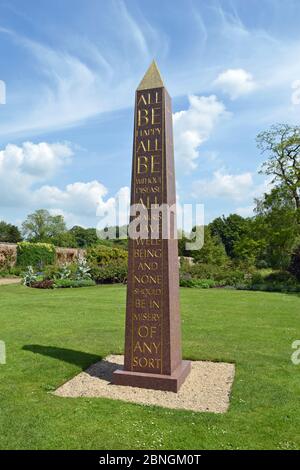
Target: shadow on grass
[(78, 358)]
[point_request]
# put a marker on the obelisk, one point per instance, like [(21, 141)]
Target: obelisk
[(153, 331)]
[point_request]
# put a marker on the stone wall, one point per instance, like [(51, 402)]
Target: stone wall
[(8, 255)]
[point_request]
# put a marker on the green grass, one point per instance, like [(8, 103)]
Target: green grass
[(51, 335)]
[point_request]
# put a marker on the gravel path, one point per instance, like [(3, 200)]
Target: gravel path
[(207, 388), (9, 280)]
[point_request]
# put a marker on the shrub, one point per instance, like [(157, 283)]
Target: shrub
[(35, 254), (4, 273), (44, 284), (99, 255), (294, 267), (16, 271), (261, 264), (83, 269), (280, 276), (228, 275), (112, 273), (70, 283), (200, 283), (64, 272), (29, 277)]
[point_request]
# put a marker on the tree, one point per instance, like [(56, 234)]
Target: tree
[(282, 145), (294, 267), (65, 240), (249, 250), (42, 226), (230, 230), (212, 252), (9, 233), (276, 223), (84, 236)]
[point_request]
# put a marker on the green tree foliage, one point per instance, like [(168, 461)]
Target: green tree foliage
[(249, 251), (65, 240), (84, 236), (41, 226), (276, 226), (294, 267), (212, 252), (230, 230), (282, 145), (109, 264), (101, 254), (9, 233)]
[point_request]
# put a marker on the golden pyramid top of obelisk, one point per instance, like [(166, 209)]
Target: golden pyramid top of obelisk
[(152, 78)]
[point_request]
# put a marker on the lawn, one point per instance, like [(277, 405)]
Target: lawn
[(52, 335)]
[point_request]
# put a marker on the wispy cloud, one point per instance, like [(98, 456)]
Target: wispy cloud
[(80, 79)]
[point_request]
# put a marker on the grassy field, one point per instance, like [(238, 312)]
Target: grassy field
[(51, 335)]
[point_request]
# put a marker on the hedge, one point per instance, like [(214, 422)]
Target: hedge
[(99, 255), (35, 254), (114, 272), (71, 283)]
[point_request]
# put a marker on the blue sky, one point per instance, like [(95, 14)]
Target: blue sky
[(71, 68)]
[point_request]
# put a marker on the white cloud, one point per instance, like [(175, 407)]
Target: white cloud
[(23, 166), (193, 126), (38, 161), (235, 82), (77, 198), (25, 169), (234, 187)]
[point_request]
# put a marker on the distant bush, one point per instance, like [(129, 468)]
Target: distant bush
[(16, 270), (280, 276), (277, 281), (261, 264), (35, 254), (99, 255), (227, 275), (108, 264), (4, 273), (82, 269), (294, 267), (44, 284), (115, 271), (201, 283), (29, 276), (71, 283)]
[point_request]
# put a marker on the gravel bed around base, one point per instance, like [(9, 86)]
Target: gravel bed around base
[(207, 388)]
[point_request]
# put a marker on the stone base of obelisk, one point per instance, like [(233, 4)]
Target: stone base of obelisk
[(169, 383)]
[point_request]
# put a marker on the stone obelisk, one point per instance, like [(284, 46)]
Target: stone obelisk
[(153, 330)]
